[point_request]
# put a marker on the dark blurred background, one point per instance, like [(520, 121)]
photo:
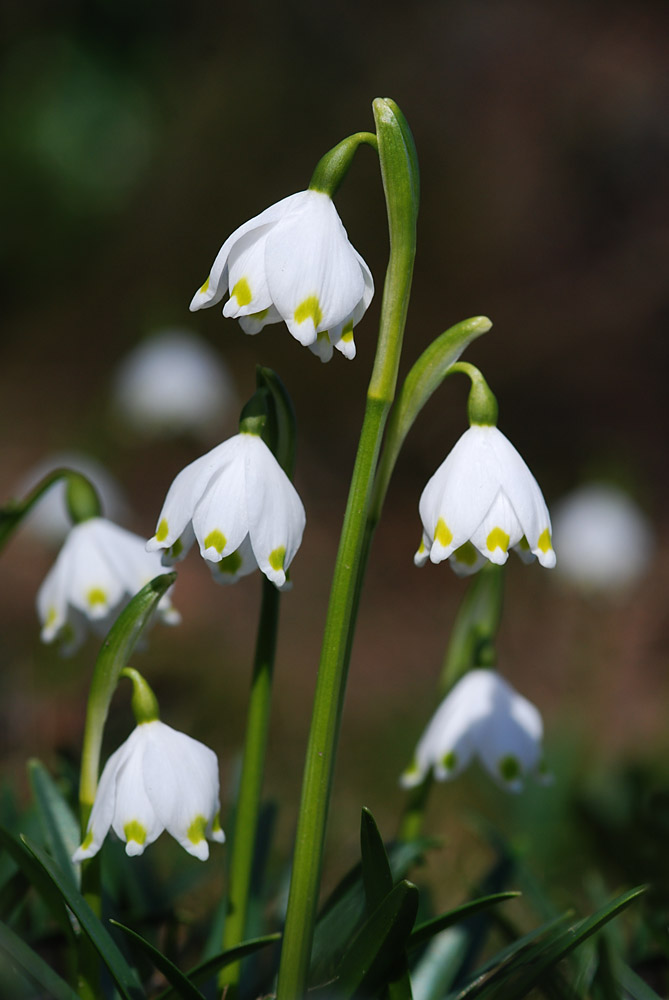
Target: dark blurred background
[(135, 137)]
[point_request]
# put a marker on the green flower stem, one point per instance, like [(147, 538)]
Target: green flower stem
[(481, 404), (399, 173), (81, 498), (250, 788)]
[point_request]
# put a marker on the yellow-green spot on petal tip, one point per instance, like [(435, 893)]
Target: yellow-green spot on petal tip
[(87, 841), (135, 831), (443, 534), (421, 547), (51, 617), (161, 533), (230, 564), (197, 830), (177, 548), (347, 332), (544, 542), (497, 539), (509, 767), (276, 557), (241, 292), (259, 315), (215, 540), (96, 595), (205, 286), (466, 554), (309, 309), (216, 824), (524, 544), (450, 760)]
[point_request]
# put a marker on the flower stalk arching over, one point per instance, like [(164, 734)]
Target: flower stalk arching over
[(481, 501), (293, 262), (99, 568), (483, 717), (240, 506), (158, 779)]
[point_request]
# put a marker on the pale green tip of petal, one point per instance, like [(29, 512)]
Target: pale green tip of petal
[(277, 557), (412, 776), (96, 596), (466, 554), (229, 565), (135, 835), (443, 534), (309, 309), (242, 292), (509, 768), (197, 830), (497, 539), (216, 830), (450, 761), (161, 533)]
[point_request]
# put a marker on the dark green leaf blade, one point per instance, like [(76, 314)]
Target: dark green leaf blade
[(61, 829), (429, 928), (34, 967), (38, 879), (372, 955), (179, 981), (376, 875), (205, 970), (124, 976)]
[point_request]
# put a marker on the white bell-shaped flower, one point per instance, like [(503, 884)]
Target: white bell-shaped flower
[(605, 539), (482, 717), (293, 262), (173, 382), (483, 494), (240, 506), (99, 568), (159, 779)]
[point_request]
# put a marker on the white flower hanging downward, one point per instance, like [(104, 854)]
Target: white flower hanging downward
[(483, 499), (99, 568), (240, 506), (293, 262), (159, 779), (483, 717)]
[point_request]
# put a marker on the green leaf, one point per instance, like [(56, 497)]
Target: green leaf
[(525, 973), (283, 423), (61, 829), (34, 967), (429, 928), (370, 959), (12, 893), (206, 970), (36, 877), (376, 875), (634, 985), (180, 982), (345, 908), (123, 975)]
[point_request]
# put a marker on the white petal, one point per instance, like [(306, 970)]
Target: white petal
[(135, 820), (498, 531), (466, 560), (127, 556), (275, 511), (103, 807), (313, 272), (511, 735), (254, 323), (185, 493), (92, 586), (52, 606), (249, 291), (422, 553), (237, 564), (322, 347), (181, 779), (220, 520), (180, 549), (216, 285)]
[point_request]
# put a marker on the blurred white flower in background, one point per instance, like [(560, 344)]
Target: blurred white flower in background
[(173, 382), (603, 537), (49, 520)]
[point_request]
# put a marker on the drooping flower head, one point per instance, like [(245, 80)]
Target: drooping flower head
[(159, 779), (99, 568), (293, 262), (240, 506), (482, 717), (483, 499)]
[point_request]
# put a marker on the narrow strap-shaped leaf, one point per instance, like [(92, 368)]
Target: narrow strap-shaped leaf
[(179, 981), (423, 932), (33, 967), (376, 875), (12, 893), (123, 975), (634, 985), (38, 879), (60, 826), (206, 970), (372, 954)]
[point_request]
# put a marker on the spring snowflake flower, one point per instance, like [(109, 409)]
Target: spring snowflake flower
[(484, 717), (293, 262), (159, 779), (481, 501), (240, 506), (173, 382), (99, 568), (605, 539)]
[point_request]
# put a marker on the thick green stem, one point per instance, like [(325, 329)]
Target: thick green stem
[(81, 499), (400, 179), (250, 788)]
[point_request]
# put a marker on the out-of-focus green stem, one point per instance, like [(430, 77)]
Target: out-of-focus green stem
[(400, 178), (81, 499), (250, 787)]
